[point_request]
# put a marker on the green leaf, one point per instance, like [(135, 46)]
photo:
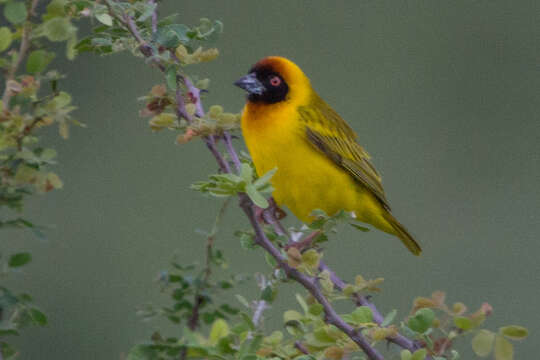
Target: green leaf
[(514, 332), (172, 35), (246, 172), (311, 258), (256, 197), (5, 38), (359, 227), (462, 322), (268, 294), (422, 320), (142, 352), (265, 179), (360, 315), (242, 300), (71, 47), (170, 77), (61, 100), (405, 355), (19, 259), (482, 343), (105, 19), (38, 317), (291, 315), (38, 61), (389, 318), (219, 329), (15, 12), (302, 302), (504, 350), (419, 354), (58, 29), (316, 309), (56, 8), (274, 339)]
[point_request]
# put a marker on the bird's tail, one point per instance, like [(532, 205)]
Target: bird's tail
[(403, 234)]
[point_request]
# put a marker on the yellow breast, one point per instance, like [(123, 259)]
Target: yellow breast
[(305, 179)]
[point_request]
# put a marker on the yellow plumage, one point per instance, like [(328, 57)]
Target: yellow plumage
[(319, 163)]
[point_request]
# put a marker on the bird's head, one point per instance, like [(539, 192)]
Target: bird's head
[(273, 80)]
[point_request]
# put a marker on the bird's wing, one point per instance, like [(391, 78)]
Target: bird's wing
[(331, 135)]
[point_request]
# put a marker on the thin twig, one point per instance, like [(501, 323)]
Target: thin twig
[(25, 45), (230, 149), (154, 17), (132, 27), (301, 347), (193, 322), (27, 130), (257, 314)]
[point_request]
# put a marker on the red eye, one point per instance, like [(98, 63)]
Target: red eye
[(275, 81)]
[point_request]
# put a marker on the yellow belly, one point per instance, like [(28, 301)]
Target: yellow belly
[(306, 179)]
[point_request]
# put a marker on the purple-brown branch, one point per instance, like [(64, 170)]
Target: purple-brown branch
[(310, 283)]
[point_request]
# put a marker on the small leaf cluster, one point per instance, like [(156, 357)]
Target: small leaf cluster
[(162, 107), (31, 100), (171, 46), (16, 310), (226, 185), (170, 43), (191, 290), (438, 326), (196, 305)]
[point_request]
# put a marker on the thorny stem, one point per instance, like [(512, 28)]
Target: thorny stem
[(310, 283)]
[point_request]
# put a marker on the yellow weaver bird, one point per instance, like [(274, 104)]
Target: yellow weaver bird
[(287, 126)]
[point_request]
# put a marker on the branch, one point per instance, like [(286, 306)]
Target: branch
[(261, 306), (23, 49), (361, 300), (310, 283), (154, 17), (193, 322)]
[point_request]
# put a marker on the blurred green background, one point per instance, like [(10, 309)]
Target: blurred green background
[(444, 95)]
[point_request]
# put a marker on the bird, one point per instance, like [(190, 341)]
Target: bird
[(287, 126)]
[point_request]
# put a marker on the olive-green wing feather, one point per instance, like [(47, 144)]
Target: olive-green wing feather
[(331, 135)]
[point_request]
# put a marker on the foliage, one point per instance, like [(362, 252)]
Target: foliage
[(207, 324), (31, 100)]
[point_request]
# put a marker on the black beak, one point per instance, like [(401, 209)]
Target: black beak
[(251, 84)]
